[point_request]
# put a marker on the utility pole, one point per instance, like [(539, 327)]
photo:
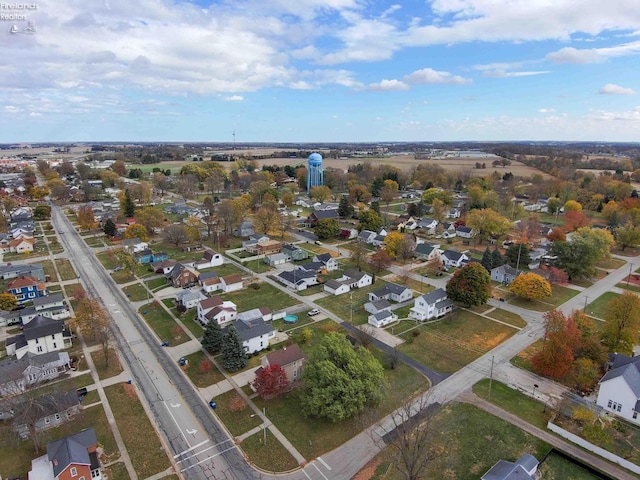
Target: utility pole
[(490, 379), (629, 277)]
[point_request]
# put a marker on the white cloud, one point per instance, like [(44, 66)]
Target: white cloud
[(388, 86), (503, 74), (430, 76), (593, 55), (234, 98), (546, 110), (613, 89)]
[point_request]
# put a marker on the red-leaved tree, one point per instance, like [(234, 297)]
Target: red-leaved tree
[(557, 276), (561, 339), (270, 381)]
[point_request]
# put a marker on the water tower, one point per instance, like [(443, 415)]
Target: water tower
[(314, 171)]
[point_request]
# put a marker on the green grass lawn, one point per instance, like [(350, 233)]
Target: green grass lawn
[(237, 421), (507, 317), (94, 242), (556, 467), (281, 326), (455, 341), (49, 271), (631, 287), (16, 455), (108, 261), (144, 447), (257, 266), (156, 284), (65, 269), (515, 402), (123, 276), (266, 296), (200, 375), (136, 292), (598, 307), (114, 367), (558, 296), (272, 457), (117, 471), (163, 324), (610, 263), (341, 305)]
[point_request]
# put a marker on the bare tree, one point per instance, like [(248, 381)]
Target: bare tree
[(175, 234), (365, 334), (187, 186), (410, 435)]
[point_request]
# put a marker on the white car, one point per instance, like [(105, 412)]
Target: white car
[(313, 312)]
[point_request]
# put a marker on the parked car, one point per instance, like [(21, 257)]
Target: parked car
[(313, 312)]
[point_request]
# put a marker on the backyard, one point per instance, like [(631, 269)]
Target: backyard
[(349, 306), (265, 295)]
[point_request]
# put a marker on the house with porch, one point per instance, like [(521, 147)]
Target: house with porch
[(255, 333), (330, 263), (392, 291), (377, 306), (431, 305), (451, 258), (465, 232), (16, 375), (298, 279), (189, 298), (40, 335), (23, 244), (427, 251), (366, 236)]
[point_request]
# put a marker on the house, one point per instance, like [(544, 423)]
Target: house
[(209, 259), (428, 225), (335, 287), (275, 259), (348, 233), (313, 218), (22, 245), (206, 276), (619, 391), (52, 306), (464, 231), (264, 248), (392, 291), (297, 279), (164, 266), (214, 308), (26, 288), (263, 312), (255, 333), (291, 359), (356, 278), (451, 258), (427, 251), (16, 375), (431, 305), (454, 213), (35, 270), (245, 229), (147, 256), (40, 335), (189, 298), (53, 409), (366, 236), (504, 274), (312, 267), (75, 456), (330, 263), (382, 318), (182, 277), (377, 306), (378, 241), (524, 468), (134, 245), (211, 284), (231, 283), (294, 253)]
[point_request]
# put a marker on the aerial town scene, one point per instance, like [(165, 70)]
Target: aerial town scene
[(342, 240)]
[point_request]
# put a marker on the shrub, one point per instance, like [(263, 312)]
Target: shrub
[(416, 333), (237, 404)]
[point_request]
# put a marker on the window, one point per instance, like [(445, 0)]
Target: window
[(39, 349), (74, 471), (37, 340), (635, 415), (47, 420), (609, 403), (57, 416), (619, 407), (54, 345)]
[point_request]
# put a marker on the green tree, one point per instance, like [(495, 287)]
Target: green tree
[(496, 258), (470, 285), (8, 302), (340, 381), (42, 212), (212, 337), (109, 228), (530, 286), (518, 255), (431, 194), (628, 235), (126, 205), (234, 357), (369, 220), (487, 223), (622, 322), (487, 259), (345, 209), (579, 256), (327, 228)]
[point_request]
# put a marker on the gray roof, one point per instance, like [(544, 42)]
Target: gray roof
[(333, 284), (207, 275), (630, 374), (293, 276), (187, 295), (381, 304), (389, 288), (277, 256), (504, 470), (354, 274), (424, 248), (71, 449), (313, 266), (463, 228), (506, 269), (436, 296), (381, 315), (53, 298), (452, 254), (250, 315), (248, 329), (366, 234), (41, 327), (323, 257)]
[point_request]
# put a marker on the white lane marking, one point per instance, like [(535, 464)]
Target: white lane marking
[(324, 463), (189, 449), (209, 458), (306, 474), (175, 421), (195, 454), (175, 405), (325, 478)]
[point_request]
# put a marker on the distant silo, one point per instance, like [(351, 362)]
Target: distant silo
[(314, 171)]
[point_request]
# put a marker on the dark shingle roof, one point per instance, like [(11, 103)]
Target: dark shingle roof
[(286, 356), (71, 449), (41, 327)]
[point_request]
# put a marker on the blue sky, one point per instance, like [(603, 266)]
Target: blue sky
[(322, 71)]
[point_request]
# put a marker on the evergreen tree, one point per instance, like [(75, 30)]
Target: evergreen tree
[(212, 337), (518, 255), (234, 357), (344, 207), (109, 228), (487, 259), (496, 258), (128, 208), (375, 206)]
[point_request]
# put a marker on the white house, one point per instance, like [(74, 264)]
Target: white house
[(330, 263), (366, 236), (214, 308), (427, 251), (16, 375), (378, 241), (620, 387), (382, 318), (392, 291), (298, 279), (40, 335), (336, 287), (451, 258), (231, 283), (254, 333), (189, 298), (504, 274), (377, 306), (209, 259), (524, 468), (428, 225), (464, 231), (356, 278), (431, 305)]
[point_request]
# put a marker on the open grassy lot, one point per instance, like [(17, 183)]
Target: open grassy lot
[(65, 269), (16, 456), (257, 266), (143, 445), (272, 457), (515, 402), (598, 307), (342, 304), (49, 271), (313, 437), (106, 371), (108, 260), (156, 284), (70, 290), (94, 242), (123, 276), (187, 318), (225, 269), (464, 433), (201, 370), (558, 296), (507, 317), (556, 467), (136, 292), (281, 326), (311, 290), (265, 296), (238, 420), (453, 342), (162, 324), (610, 263)]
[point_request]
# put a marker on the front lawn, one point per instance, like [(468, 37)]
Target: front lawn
[(65, 269), (235, 413), (598, 307), (507, 317), (163, 324), (201, 370), (341, 305), (454, 341), (272, 457), (136, 292), (114, 367), (266, 295), (558, 296)]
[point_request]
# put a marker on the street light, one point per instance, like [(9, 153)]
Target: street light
[(629, 277), (585, 304), (264, 424)]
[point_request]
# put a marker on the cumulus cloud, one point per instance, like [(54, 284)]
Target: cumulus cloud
[(546, 110), (388, 86), (430, 76), (613, 89), (503, 74), (593, 55), (234, 98)]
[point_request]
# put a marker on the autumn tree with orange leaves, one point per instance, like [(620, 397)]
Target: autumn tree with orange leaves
[(561, 339)]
